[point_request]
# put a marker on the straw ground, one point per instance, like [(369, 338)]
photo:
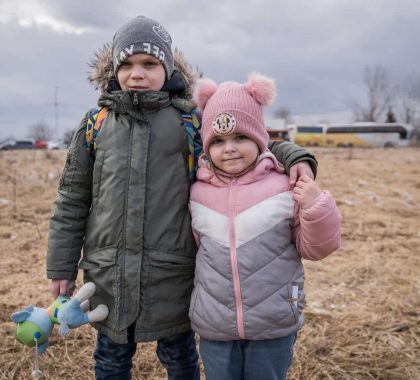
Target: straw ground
[(363, 302)]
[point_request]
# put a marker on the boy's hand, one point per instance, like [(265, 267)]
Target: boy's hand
[(298, 170), (61, 287), (305, 191)]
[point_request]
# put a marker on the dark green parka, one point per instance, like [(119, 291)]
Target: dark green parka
[(128, 209)]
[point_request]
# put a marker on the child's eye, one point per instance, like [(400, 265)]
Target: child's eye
[(151, 63), (241, 137), (216, 141)]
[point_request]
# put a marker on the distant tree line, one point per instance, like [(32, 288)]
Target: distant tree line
[(42, 131), (386, 101), (382, 100)]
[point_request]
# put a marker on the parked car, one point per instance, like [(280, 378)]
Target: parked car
[(18, 144), (41, 144)]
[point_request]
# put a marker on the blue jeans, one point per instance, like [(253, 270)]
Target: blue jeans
[(247, 359), (177, 354)]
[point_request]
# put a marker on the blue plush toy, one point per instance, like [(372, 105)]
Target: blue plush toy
[(34, 325)]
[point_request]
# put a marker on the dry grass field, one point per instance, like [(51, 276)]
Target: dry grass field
[(363, 302)]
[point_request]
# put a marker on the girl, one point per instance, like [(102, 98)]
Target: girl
[(252, 232)]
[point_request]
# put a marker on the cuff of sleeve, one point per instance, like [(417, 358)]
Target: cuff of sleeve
[(61, 275), (311, 161)]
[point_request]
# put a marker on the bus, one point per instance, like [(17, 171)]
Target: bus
[(356, 134), (307, 135)]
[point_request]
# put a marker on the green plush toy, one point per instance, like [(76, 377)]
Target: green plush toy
[(34, 325)]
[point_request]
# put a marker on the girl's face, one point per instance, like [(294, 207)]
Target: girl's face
[(141, 72), (233, 153)]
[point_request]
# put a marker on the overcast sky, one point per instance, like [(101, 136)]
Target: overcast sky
[(315, 49)]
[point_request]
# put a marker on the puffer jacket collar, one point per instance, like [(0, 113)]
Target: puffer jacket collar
[(266, 162), (135, 103)]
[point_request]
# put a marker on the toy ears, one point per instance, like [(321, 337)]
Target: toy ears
[(21, 316), (260, 87)]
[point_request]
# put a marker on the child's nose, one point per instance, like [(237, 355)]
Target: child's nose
[(230, 146), (137, 72)]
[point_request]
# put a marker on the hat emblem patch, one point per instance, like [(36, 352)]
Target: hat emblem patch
[(162, 33), (224, 124)]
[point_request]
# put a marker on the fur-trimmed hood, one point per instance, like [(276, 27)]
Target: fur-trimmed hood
[(101, 73)]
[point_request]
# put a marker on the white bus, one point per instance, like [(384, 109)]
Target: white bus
[(356, 134)]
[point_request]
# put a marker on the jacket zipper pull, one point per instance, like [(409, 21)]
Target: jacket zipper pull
[(136, 99)]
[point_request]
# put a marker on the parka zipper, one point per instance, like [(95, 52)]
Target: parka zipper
[(234, 261), (120, 281), (135, 98)]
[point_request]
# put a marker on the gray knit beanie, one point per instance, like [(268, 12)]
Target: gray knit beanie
[(143, 35)]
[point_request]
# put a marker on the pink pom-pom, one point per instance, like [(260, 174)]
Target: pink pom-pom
[(203, 90), (261, 88)]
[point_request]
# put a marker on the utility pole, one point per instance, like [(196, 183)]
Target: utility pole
[(56, 113)]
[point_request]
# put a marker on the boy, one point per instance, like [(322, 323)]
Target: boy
[(128, 206)]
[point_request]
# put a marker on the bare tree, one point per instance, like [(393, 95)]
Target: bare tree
[(68, 135), (408, 109), (390, 116), (378, 95), (410, 99), (283, 113), (40, 130)]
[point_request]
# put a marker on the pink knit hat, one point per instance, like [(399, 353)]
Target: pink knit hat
[(233, 107)]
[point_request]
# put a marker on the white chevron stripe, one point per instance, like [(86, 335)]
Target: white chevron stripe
[(210, 223), (249, 224), (265, 215)]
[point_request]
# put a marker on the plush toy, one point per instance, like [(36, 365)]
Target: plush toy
[(34, 325)]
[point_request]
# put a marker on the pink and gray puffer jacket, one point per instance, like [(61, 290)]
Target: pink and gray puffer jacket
[(251, 236)]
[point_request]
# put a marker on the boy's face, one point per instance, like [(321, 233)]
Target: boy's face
[(141, 72), (233, 153)]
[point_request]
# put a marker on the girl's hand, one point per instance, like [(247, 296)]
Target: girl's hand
[(305, 191)]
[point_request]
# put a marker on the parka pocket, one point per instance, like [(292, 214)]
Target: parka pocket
[(100, 267), (171, 280), (69, 168)]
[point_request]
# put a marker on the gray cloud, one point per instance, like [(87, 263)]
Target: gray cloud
[(316, 51)]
